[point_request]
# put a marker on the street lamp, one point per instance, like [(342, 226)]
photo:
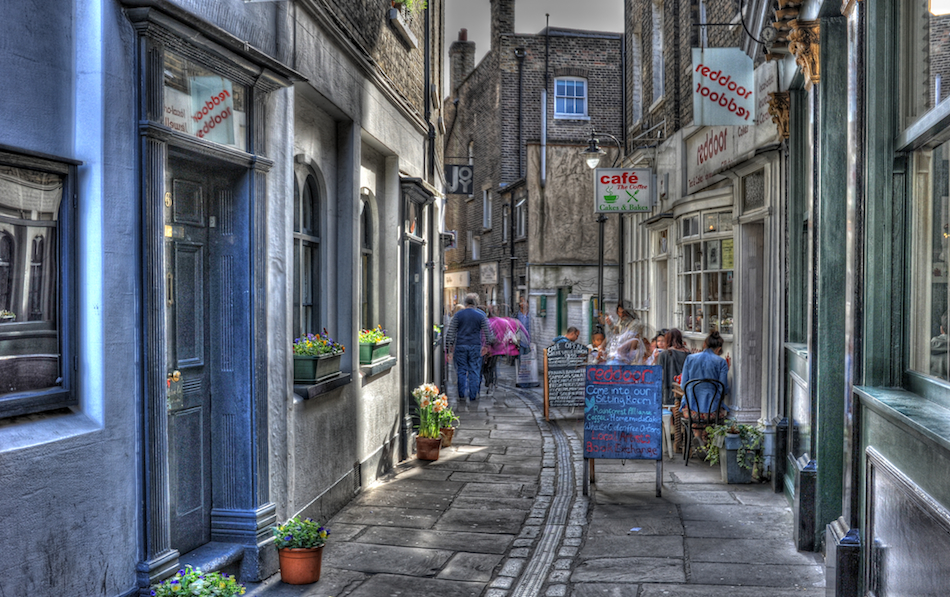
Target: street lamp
[(592, 155)]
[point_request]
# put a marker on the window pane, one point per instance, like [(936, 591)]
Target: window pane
[(311, 208), (559, 105), (201, 103), (298, 330), (559, 87), (933, 224), (29, 279)]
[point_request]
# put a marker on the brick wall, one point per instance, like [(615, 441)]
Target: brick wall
[(487, 115)]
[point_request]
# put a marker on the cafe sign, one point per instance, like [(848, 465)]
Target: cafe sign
[(623, 190)]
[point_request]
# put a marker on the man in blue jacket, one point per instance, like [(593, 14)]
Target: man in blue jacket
[(468, 333)]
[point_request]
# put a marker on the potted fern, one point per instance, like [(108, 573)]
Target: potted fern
[(737, 449)]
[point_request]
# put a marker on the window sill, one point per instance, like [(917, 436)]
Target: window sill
[(571, 117), (657, 104), (402, 27), (377, 367), (309, 392), (485, 229), (521, 239), (914, 413)]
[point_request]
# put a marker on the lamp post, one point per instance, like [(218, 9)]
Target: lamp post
[(592, 155)]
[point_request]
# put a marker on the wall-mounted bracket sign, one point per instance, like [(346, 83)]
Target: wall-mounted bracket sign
[(623, 190), (723, 87), (459, 179)]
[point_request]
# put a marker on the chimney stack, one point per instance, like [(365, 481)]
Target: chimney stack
[(461, 59), (502, 21)]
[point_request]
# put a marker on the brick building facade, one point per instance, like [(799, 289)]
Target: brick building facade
[(495, 122)]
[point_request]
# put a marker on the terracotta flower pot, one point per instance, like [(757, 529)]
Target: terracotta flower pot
[(300, 565), (447, 434), (427, 448)]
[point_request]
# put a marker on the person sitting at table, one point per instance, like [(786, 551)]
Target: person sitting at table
[(672, 360), (707, 364)]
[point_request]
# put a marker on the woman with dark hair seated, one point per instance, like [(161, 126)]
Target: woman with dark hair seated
[(707, 364), (672, 360)]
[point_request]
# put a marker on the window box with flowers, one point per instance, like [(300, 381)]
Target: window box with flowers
[(374, 345), (316, 358)]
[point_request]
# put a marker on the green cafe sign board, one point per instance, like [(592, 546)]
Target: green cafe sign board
[(623, 190)]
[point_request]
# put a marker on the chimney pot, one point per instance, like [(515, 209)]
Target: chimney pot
[(463, 34)]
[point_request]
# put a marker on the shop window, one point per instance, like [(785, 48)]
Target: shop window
[(705, 271), (306, 257), (35, 278), (203, 104), (570, 97)]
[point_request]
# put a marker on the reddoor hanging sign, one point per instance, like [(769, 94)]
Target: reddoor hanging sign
[(623, 190), (723, 87)]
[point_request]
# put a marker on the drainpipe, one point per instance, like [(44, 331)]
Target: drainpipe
[(427, 67), (520, 55), (623, 152), (544, 103)]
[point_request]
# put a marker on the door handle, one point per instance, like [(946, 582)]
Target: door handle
[(170, 288)]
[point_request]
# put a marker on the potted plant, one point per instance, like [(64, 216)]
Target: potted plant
[(316, 357), (6, 316), (299, 543), (411, 6), (431, 406), (374, 345), (447, 423), (737, 448), (194, 582)]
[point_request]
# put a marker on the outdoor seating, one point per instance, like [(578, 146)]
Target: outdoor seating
[(697, 415)]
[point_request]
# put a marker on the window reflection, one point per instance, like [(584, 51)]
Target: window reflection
[(29, 218), (938, 260)]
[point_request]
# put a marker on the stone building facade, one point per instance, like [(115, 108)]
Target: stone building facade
[(528, 229), (187, 188)]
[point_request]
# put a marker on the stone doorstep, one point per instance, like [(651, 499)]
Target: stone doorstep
[(215, 556)]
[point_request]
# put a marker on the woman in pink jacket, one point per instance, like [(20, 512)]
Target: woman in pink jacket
[(506, 344)]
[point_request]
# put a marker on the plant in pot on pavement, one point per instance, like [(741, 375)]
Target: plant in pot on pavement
[(194, 582), (431, 406), (300, 544), (374, 345), (316, 357), (448, 421), (737, 448)]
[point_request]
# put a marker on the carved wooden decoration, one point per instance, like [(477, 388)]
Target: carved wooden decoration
[(778, 108), (804, 44)]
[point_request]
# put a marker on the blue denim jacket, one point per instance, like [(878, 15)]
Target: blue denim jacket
[(705, 365)]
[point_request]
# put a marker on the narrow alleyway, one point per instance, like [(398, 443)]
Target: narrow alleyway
[(498, 515)]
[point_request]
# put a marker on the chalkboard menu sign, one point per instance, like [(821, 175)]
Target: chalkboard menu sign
[(623, 412), (564, 374)]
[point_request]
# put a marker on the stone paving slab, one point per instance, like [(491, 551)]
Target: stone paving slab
[(509, 443), (345, 532), (388, 516), (492, 503), (333, 581), (774, 530), (748, 551), (532, 470), (501, 490), (482, 521), (664, 590), (605, 590), (476, 567), (737, 512), (372, 558), (688, 496), (464, 477), (390, 585), (492, 543), (763, 575), (630, 570), (467, 466), (412, 485), (438, 501), (633, 545), (522, 451)]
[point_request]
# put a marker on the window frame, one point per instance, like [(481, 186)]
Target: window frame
[(687, 239), (64, 395), (367, 248), (521, 219), (300, 240), (586, 99)]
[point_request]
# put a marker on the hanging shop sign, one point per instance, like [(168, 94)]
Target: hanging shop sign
[(456, 280), (488, 273), (714, 149), (623, 190), (723, 87), (459, 179)]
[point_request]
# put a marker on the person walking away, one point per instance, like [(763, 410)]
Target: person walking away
[(672, 360), (468, 332), (491, 353), (707, 364)]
